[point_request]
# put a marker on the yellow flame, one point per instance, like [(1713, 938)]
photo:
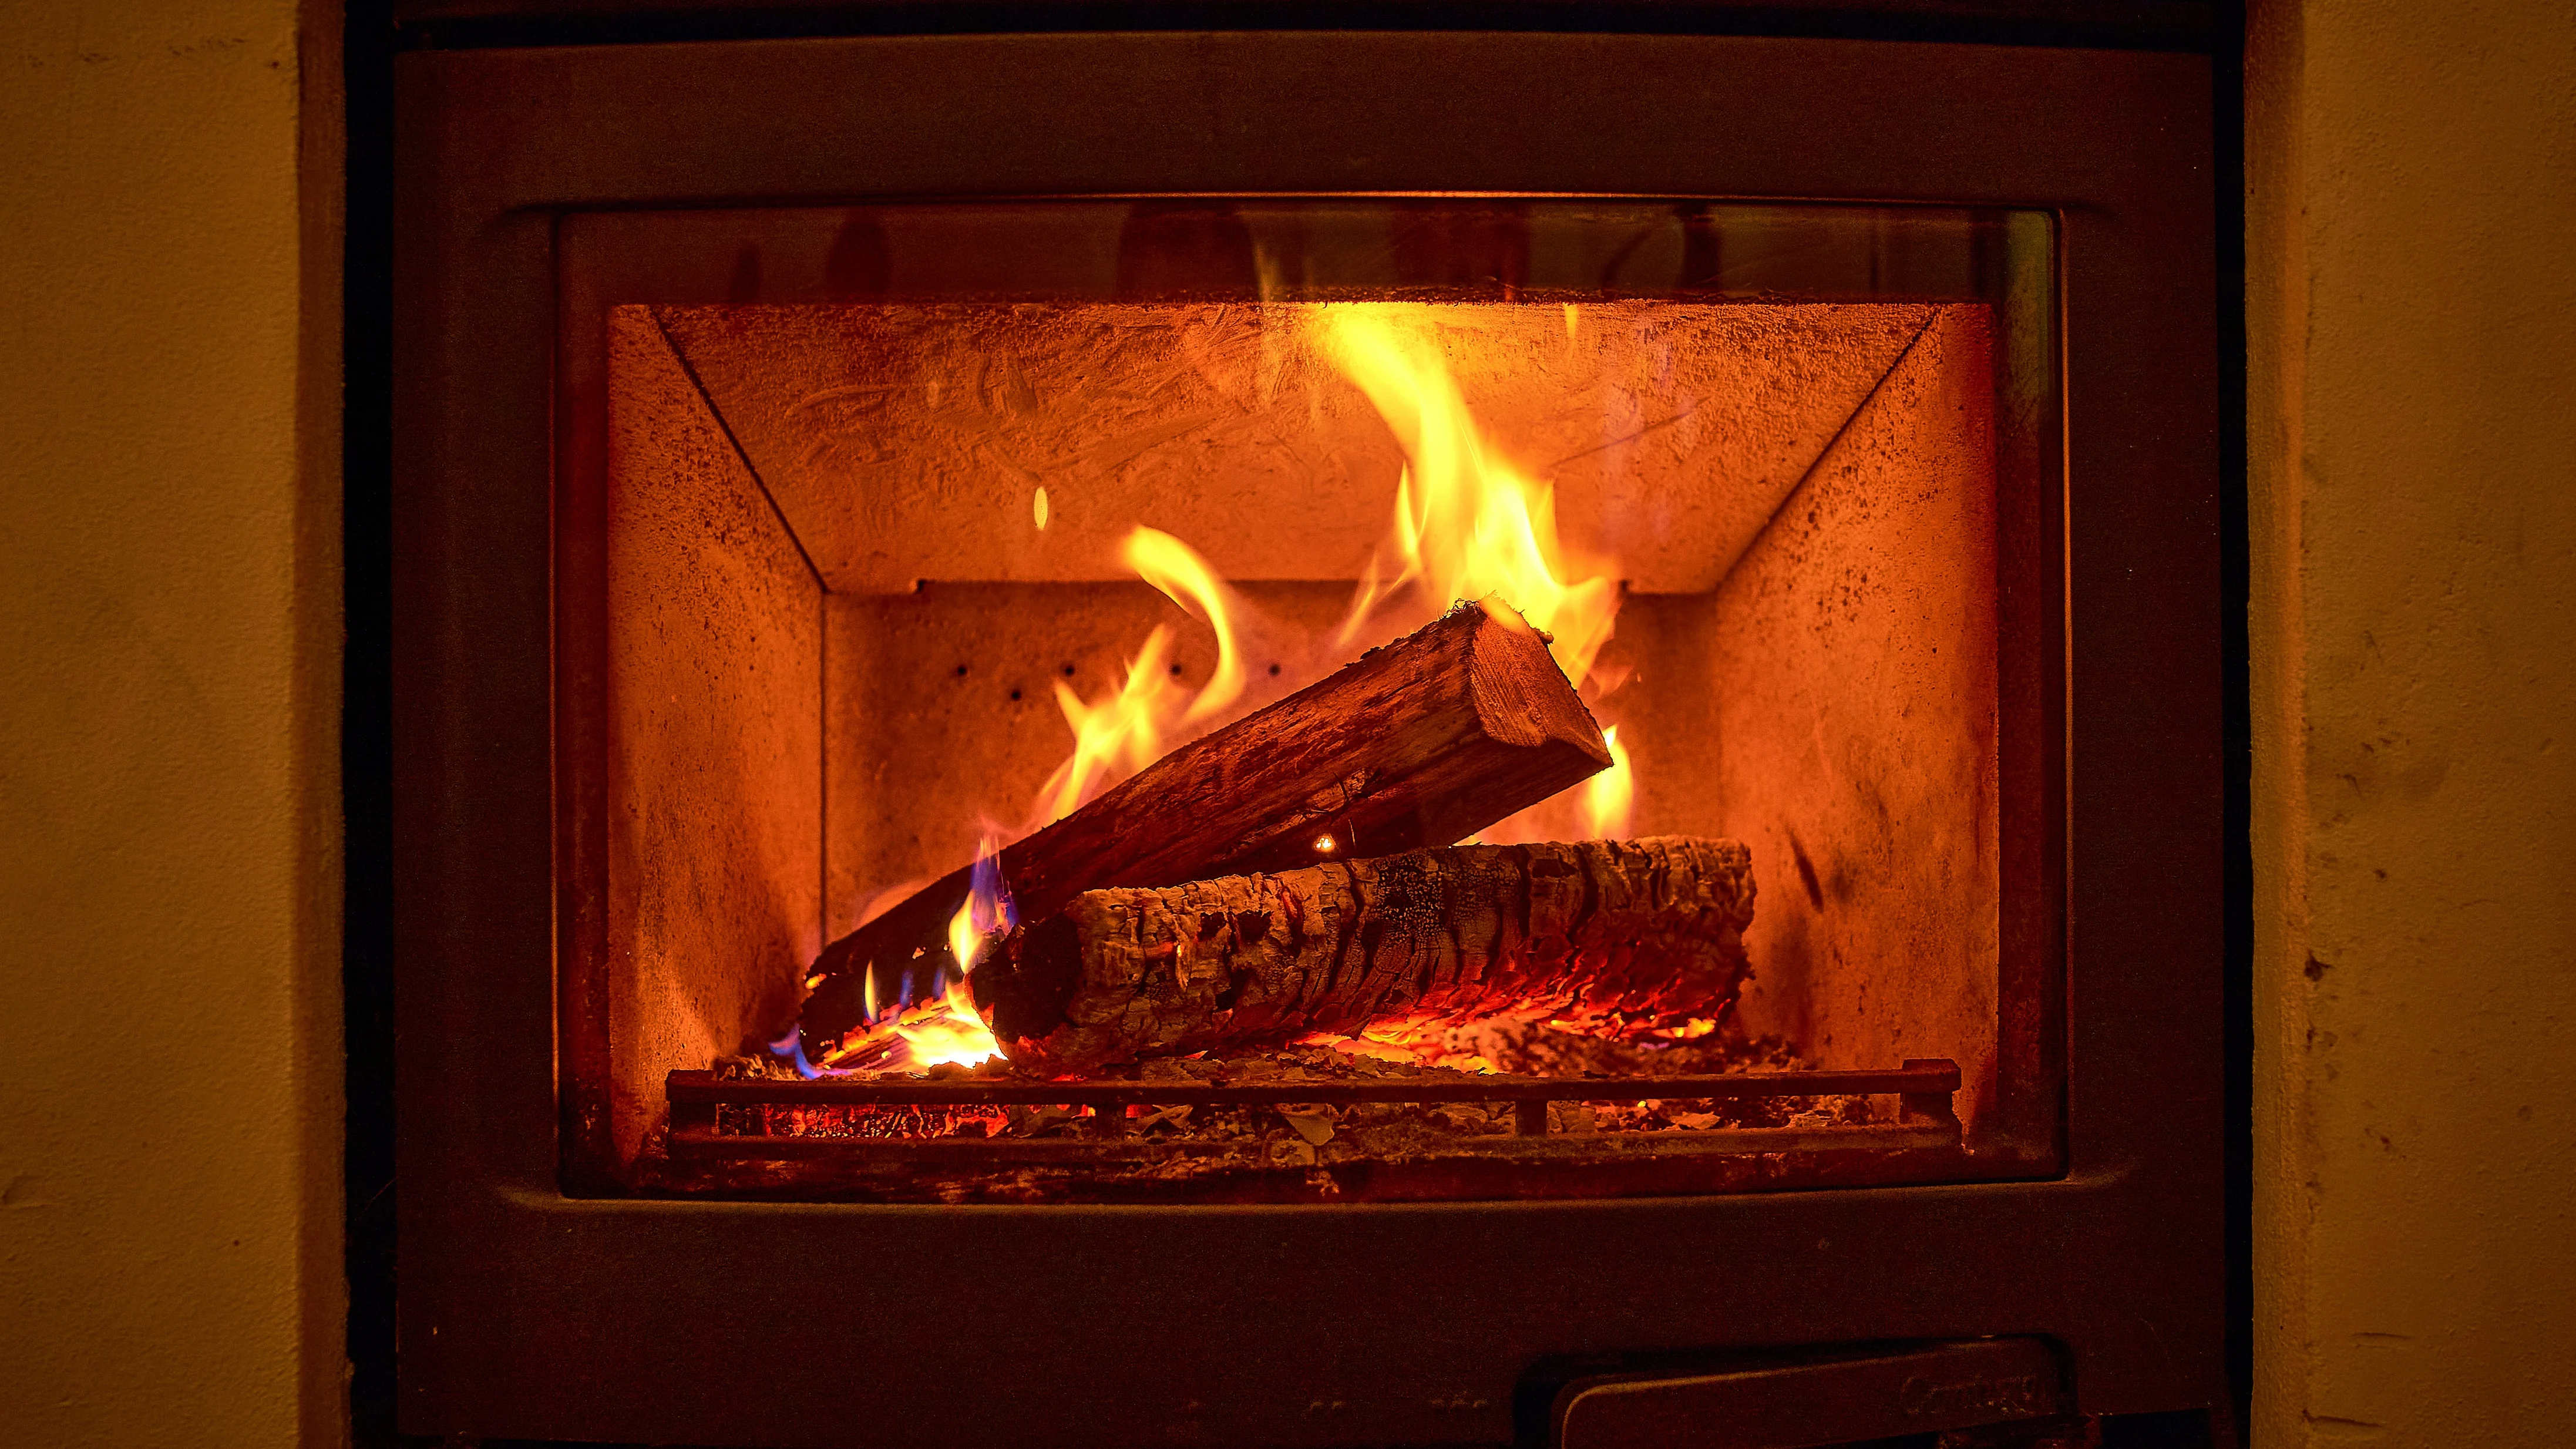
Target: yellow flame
[(951, 1031), (1607, 796), (1124, 732), (1466, 525), (964, 941), (982, 913), (945, 1028), (1185, 578), (1116, 737)]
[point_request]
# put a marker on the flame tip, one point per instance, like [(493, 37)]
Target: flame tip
[(1469, 527)]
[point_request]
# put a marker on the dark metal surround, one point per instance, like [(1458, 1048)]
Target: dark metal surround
[(529, 1313), (2177, 25)]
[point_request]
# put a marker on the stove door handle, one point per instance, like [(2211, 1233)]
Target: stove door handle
[(1798, 1402)]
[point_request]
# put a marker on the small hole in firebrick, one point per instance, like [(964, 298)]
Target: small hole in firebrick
[(1274, 669), (961, 671), (1176, 671), (1068, 671), (1015, 695)]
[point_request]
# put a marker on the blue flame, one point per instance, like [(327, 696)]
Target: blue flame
[(791, 1049), (986, 913), (989, 895)]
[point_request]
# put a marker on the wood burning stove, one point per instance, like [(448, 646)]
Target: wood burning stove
[(806, 445)]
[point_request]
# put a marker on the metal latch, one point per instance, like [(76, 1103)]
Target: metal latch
[(1811, 1400)]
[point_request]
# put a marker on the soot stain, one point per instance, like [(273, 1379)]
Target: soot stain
[(1806, 872)]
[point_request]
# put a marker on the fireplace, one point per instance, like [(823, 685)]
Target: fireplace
[(1130, 690)]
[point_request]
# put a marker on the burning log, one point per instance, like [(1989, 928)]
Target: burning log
[(1420, 742), (1602, 930)]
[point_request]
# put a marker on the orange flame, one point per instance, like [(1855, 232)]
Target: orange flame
[(1116, 737), (1113, 738), (1608, 795), (951, 1030), (986, 909), (1124, 732), (1466, 525), (942, 1029), (947, 1027), (1185, 578)]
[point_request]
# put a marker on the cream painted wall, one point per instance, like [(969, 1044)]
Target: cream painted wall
[(168, 664), (169, 650), (2412, 295)]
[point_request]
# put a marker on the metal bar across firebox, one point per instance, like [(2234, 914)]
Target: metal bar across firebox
[(1916, 1078)]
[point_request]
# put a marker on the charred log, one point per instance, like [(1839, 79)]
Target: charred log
[(1603, 930), (1420, 742)]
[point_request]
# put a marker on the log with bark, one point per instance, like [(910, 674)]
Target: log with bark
[(1604, 932), (1417, 743)]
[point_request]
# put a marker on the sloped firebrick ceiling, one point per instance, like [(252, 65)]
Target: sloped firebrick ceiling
[(905, 442)]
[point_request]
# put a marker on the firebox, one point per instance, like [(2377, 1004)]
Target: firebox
[(1420, 734), (1056, 544)]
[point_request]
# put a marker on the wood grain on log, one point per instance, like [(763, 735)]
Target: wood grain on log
[(1590, 930), (1420, 742)]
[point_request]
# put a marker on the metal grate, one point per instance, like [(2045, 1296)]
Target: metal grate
[(1924, 1089)]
